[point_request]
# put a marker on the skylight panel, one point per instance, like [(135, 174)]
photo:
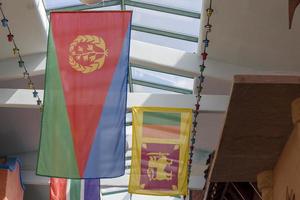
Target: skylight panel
[(117, 7), (162, 78), (165, 41), (165, 21), (144, 89), (188, 5), (53, 4)]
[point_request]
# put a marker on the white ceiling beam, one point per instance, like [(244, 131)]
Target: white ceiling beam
[(23, 98), (164, 59), (35, 64), (18, 98), (152, 57)]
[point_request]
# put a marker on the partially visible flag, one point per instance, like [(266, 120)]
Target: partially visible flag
[(83, 123), (293, 4), (160, 150), (67, 189)]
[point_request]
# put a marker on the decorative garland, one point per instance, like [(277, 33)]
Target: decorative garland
[(21, 63), (208, 26)]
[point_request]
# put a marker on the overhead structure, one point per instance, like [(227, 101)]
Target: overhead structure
[(257, 126)]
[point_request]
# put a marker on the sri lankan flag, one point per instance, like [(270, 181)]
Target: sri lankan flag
[(72, 189), (83, 123), (160, 149)]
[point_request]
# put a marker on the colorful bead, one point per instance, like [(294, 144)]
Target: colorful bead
[(200, 88), (21, 63), (209, 11), (208, 27), (206, 173), (4, 22), (192, 148), (201, 79), (204, 55), (197, 106), (35, 93), (30, 85), (38, 102), (25, 75), (10, 37), (16, 51), (206, 42), (193, 140), (196, 115), (202, 67)]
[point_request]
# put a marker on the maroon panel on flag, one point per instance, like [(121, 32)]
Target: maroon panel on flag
[(159, 166)]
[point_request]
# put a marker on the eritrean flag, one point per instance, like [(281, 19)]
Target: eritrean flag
[(83, 123), (68, 189), (160, 150)]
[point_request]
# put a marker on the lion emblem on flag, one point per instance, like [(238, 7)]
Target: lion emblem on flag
[(87, 53)]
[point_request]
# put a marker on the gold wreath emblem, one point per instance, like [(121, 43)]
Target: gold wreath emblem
[(87, 53)]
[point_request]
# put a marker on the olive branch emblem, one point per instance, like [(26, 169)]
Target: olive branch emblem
[(89, 49)]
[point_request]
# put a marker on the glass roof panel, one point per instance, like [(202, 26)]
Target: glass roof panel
[(141, 89), (165, 41), (164, 21), (117, 7), (188, 5), (162, 78), (128, 117), (52, 4)]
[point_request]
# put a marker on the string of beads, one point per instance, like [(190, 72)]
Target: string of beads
[(204, 54), (21, 63)]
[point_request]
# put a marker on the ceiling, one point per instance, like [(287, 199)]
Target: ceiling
[(257, 126), (255, 33), (28, 29), (249, 33)]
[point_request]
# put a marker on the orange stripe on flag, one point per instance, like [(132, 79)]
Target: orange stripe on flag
[(161, 131)]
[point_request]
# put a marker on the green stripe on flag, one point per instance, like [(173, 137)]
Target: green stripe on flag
[(162, 118), (56, 155), (75, 189)]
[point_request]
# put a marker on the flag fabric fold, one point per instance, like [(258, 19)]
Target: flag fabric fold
[(72, 189), (160, 150), (83, 122)]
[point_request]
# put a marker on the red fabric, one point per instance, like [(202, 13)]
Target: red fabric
[(58, 188), (3, 180), (10, 184), (89, 89), (14, 188)]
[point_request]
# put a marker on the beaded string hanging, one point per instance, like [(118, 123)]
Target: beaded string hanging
[(21, 63), (207, 26)]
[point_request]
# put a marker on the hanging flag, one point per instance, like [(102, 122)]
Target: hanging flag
[(11, 185), (160, 150), (83, 123), (72, 189), (293, 4)]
